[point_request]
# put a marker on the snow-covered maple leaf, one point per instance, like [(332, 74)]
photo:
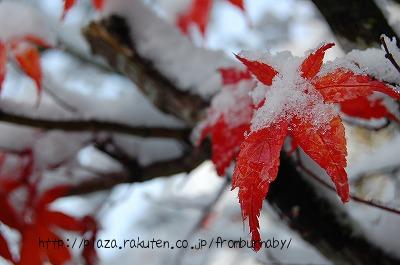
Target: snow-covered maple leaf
[(293, 97)]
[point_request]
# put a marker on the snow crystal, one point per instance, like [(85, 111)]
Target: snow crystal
[(19, 19), (173, 54)]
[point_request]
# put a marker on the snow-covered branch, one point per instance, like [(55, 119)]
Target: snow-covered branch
[(109, 39)]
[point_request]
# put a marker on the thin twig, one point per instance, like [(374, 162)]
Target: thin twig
[(374, 204), (388, 55)]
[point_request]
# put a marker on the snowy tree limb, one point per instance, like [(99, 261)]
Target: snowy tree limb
[(110, 38), (93, 125)]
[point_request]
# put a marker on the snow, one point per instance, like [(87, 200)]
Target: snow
[(18, 19), (371, 61), (233, 102), (192, 68)]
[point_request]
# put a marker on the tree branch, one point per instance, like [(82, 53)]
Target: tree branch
[(357, 24), (94, 126), (136, 173), (110, 38)]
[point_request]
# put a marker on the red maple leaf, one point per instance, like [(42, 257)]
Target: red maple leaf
[(68, 4), (198, 15), (258, 160)]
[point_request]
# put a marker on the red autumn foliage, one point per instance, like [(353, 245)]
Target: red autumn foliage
[(36, 221), (198, 15), (257, 162)]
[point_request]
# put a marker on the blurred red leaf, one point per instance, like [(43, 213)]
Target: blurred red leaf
[(3, 63), (233, 75), (198, 14), (28, 58), (68, 4)]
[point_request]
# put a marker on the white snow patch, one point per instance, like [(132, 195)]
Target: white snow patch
[(18, 19), (193, 69)]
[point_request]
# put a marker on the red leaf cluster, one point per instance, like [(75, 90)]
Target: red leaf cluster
[(35, 220), (257, 162)]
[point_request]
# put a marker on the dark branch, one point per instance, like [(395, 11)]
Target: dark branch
[(388, 55), (136, 173), (93, 125), (357, 24)]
